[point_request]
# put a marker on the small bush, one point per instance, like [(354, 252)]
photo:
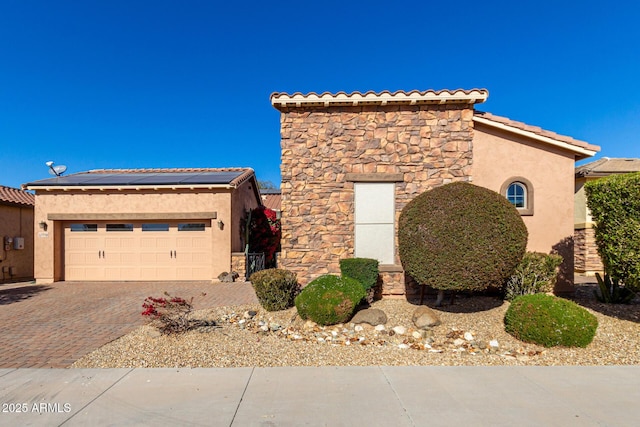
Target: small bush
[(536, 273), (171, 315), (329, 299), (550, 321), (275, 288), (461, 237), (365, 271)]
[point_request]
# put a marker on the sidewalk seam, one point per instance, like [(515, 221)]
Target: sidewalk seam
[(397, 396), (97, 397), (242, 397)]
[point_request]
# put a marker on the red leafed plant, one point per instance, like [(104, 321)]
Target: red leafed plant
[(264, 233), (171, 314)]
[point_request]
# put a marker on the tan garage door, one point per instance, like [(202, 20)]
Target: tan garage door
[(138, 251)]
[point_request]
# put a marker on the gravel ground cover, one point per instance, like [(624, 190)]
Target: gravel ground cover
[(471, 333)]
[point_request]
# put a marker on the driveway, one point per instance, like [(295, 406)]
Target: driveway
[(53, 325)]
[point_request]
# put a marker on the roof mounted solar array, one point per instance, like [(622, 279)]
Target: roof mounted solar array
[(140, 179)]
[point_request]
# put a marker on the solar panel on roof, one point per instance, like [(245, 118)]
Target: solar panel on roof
[(160, 178)]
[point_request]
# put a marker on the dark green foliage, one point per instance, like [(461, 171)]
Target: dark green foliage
[(275, 288), (611, 292), (364, 270), (614, 202), (329, 299), (461, 237), (550, 321), (536, 273)]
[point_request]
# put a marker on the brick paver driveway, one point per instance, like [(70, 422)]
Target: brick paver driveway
[(52, 326)]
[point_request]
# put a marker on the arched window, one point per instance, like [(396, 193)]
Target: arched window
[(517, 194), (519, 191)]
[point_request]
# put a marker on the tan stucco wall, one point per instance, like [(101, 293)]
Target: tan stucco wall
[(16, 221), (49, 249), (244, 199), (498, 156)]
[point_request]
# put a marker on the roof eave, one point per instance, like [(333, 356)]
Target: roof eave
[(298, 100), (579, 152)]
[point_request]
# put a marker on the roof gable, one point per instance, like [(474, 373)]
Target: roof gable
[(15, 196), (581, 149)]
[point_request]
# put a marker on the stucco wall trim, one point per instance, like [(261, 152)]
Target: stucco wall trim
[(374, 177), (130, 216)]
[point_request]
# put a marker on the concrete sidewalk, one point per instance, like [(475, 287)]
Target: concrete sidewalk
[(325, 396)]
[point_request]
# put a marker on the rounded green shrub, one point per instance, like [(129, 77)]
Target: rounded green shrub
[(364, 270), (550, 321), (461, 237), (275, 288), (329, 299)]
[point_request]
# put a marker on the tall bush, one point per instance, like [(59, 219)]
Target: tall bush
[(614, 202), (263, 233), (461, 237)]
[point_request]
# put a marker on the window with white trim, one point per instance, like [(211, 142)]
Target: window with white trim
[(375, 221), (519, 192)]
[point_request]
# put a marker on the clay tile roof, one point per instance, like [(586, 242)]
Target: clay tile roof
[(271, 199), (608, 166), (14, 196), (282, 100), (488, 118)]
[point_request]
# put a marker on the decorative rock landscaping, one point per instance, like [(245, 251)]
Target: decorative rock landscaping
[(471, 334)]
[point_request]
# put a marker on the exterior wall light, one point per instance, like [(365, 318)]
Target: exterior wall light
[(43, 225), (220, 224)]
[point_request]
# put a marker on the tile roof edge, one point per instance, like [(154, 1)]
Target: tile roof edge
[(16, 196), (506, 121)]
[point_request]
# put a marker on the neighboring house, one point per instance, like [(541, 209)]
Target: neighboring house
[(271, 199), (587, 260), (351, 162), (16, 235), (142, 224)]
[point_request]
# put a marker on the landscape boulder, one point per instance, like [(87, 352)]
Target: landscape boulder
[(372, 316), (425, 318)]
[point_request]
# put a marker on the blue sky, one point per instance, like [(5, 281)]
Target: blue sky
[(139, 84)]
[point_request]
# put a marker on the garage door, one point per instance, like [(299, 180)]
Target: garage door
[(138, 251)]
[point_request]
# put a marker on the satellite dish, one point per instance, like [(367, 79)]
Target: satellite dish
[(56, 170)]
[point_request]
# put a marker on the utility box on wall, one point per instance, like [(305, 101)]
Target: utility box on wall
[(18, 243)]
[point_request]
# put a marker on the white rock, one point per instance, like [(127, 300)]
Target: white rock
[(468, 336), (458, 342), (358, 328), (320, 339), (403, 346), (380, 328), (242, 322), (494, 344), (416, 335), (400, 330), (264, 328)]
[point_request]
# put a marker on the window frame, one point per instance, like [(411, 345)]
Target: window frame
[(527, 210)]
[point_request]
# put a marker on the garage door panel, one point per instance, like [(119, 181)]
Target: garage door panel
[(152, 252)]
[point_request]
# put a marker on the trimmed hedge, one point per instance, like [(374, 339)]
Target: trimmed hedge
[(614, 202), (536, 273), (550, 321), (329, 299), (461, 237), (364, 270), (275, 288)]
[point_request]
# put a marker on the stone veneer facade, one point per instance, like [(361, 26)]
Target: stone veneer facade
[(325, 149), (587, 259)]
